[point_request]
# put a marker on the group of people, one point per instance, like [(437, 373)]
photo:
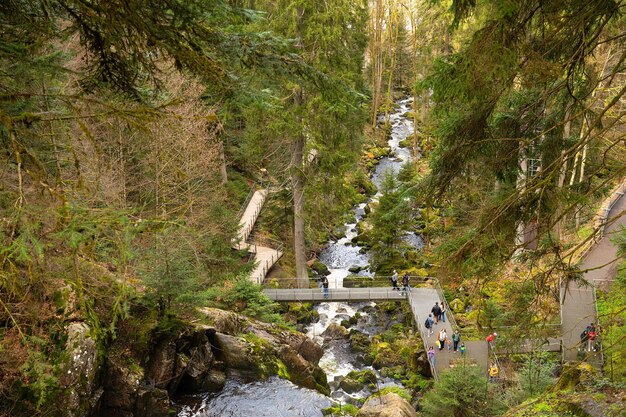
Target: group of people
[(453, 343), (443, 340), (406, 286), (439, 312), (589, 338)]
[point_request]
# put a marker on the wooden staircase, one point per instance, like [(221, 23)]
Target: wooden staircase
[(264, 257)]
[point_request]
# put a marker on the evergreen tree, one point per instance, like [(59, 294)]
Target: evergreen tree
[(461, 391)]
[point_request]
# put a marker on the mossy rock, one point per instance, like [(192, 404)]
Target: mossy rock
[(320, 268), (359, 342), (575, 375), (457, 305), (406, 142), (356, 269), (365, 376), (369, 207), (301, 313), (350, 385)]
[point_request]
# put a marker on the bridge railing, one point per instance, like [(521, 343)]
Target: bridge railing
[(364, 282), (247, 200), (334, 294), (419, 322)]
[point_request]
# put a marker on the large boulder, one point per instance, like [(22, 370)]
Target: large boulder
[(152, 402), (81, 391), (420, 363), (350, 385), (226, 322), (122, 385), (238, 356), (335, 331), (199, 375), (386, 405), (302, 372), (161, 365)]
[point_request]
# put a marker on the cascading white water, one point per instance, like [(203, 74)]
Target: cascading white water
[(275, 396), (341, 255)]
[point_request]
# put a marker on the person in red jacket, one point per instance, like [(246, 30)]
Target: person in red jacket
[(491, 340)]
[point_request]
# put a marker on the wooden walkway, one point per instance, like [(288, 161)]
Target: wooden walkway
[(578, 299), (264, 257)]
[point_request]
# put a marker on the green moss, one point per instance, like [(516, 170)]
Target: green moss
[(341, 410), (282, 370), (542, 407), (396, 390)]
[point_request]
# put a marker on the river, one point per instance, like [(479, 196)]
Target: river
[(277, 397)]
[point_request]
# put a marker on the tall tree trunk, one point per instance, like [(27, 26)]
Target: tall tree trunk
[(376, 57), (297, 186), (297, 176), (558, 226)]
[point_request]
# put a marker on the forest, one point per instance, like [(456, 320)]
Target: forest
[(154, 153)]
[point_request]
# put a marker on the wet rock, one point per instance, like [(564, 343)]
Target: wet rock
[(387, 405), (237, 355), (303, 373), (162, 363), (214, 381), (335, 331), (320, 269), (81, 392), (365, 376), (152, 402), (310, 350), (197, 368), (350, 385)]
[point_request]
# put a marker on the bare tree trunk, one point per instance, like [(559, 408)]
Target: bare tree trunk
[(297, 179), (297, 185), (558, 226), (376, 56)]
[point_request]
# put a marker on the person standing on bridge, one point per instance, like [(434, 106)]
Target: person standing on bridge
[(442, 336), (456, 338), (429, 324), (436, 310), (491, 340), (591, 337), (431, 356), (394, 281), (406, 287), (443, 312), (325, 286)]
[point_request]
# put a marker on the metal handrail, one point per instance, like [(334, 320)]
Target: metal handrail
[(247, 200), (424, 337), (443, 300), (608, 209), (598, 235), (595, 303)]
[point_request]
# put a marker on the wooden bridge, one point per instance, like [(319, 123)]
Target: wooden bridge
[(264, 256)]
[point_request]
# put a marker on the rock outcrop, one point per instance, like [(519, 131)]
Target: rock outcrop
[(81, 390), (197, 359), (386, 405)]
